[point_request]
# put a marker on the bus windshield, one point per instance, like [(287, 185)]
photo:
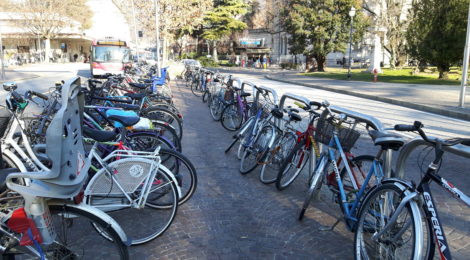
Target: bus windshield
[(111, 54)]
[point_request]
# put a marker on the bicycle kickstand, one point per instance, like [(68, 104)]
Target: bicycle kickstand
[(330, 228)]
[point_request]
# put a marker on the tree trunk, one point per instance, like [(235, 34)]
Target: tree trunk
[(47, 51), (309, 64), (421, 66), (214, 51), (443, 71), (321, 59), (393, 59)]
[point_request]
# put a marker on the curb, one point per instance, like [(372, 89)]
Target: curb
[(425, 108)]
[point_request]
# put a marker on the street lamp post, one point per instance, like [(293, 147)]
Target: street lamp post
[(352, 12)]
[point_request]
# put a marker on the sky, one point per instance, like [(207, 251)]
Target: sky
[(107, 21)]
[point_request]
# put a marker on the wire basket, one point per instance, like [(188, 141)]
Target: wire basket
[(324, 132)]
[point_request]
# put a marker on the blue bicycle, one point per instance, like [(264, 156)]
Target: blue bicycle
[(358, 174)]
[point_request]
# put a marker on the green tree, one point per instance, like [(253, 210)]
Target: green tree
[(318, 27), (436, 34), (222, 21)]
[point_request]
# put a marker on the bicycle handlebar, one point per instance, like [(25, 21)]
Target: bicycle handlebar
[(417, 127)]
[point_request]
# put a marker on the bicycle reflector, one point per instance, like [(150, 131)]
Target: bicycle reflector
[(20, 223)]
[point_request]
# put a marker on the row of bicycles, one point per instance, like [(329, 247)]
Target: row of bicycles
[(92, 167), (284, 138)]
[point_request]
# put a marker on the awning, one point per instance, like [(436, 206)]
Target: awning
[(256, 50)]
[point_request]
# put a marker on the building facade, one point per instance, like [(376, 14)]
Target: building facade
[(368, 53), (21, 46)]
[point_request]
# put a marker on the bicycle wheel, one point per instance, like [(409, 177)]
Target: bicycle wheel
[(314, 184), (196, 88), (360, 167), (160, 114), (251, 154), (398, 242), (184, 172), (205, 96), (142, 222), (216, 108), (76, 238), (275, 157), (231, 117), (150, 139), (293, 165)]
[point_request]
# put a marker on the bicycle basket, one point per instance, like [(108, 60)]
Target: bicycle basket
[(229, 95), (324, 132)]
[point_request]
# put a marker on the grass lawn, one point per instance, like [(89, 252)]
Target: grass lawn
[(391, 76)]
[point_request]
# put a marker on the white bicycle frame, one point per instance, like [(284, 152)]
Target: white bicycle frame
[(155, 167)]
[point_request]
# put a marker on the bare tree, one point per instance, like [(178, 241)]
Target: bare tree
[(178, 17), (393, 18), (46, 18)]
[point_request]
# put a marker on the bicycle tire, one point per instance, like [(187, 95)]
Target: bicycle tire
[(357, 165), (76, 237), (262, 138), (216, 108), (231, 118), (160, 206), (296, 161), (386, 194), (187, 178), (276, 155), (196, 89), (315, 184), (155, 113)]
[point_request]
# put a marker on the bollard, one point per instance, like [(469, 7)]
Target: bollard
[(376, 73)]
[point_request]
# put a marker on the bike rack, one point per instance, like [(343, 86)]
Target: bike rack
[(304, 100), (409, 147), (374, 123), (239, 82), (247, 83)]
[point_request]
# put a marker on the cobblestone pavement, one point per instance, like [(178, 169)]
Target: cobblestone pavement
[(237, 217)]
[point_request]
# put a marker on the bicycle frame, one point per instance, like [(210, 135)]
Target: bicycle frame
[(431, 209), (140, 201)]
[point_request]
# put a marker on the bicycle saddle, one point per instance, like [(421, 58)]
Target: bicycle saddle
[(146, 80), (98, 135), (135, 95), (245, 94), (122, 118), (127, 106), (139, 85), (294, 117), (277, 113), (386, 141)]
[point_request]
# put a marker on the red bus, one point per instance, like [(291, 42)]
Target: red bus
[(109, 56)]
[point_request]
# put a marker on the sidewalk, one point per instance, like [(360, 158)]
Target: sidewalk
[(438, 99), (12, 75)]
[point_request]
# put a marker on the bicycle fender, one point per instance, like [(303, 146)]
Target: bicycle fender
[(101, 215), (173, 178)]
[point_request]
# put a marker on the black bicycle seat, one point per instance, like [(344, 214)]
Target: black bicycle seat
[(127, 106), (135, 95), (125, 120), (387, 141), (98, 135), (245, 94), (139, 85), (277, 113), (294, 117)]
